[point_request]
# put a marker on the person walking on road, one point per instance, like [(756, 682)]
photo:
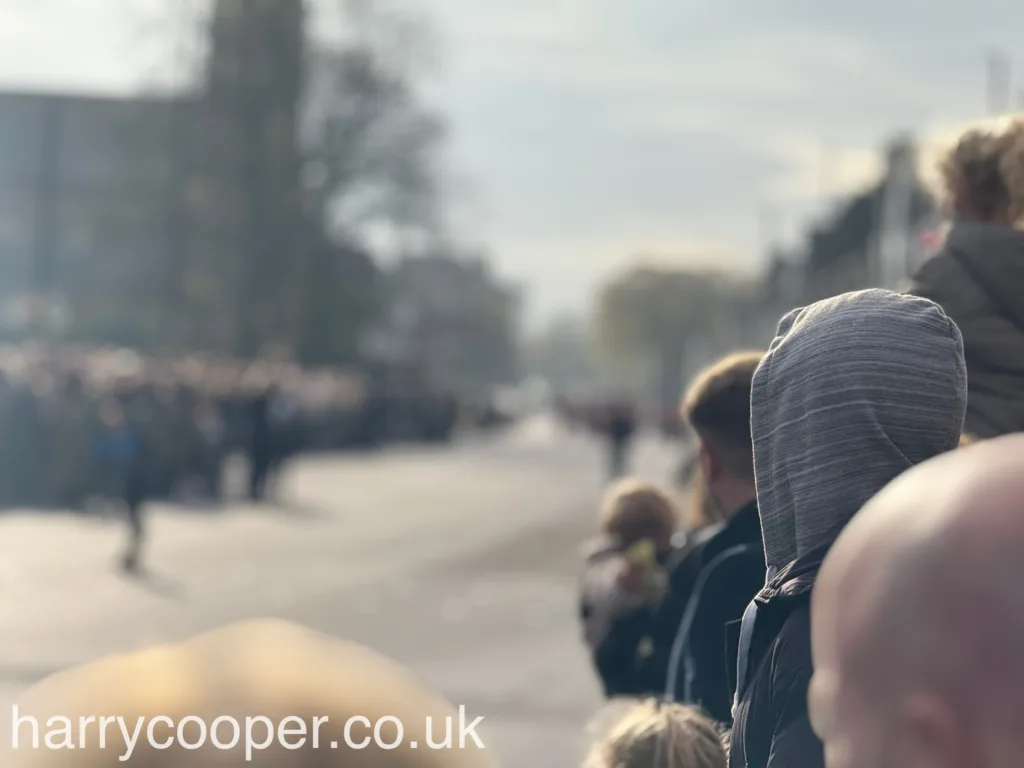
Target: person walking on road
[(620, 428), (119, 454)]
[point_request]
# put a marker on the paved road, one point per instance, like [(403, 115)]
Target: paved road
[(459, 562)]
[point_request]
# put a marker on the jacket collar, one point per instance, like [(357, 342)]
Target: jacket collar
[(796, 580)]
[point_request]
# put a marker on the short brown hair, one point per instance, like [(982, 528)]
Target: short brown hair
[(717, 406)]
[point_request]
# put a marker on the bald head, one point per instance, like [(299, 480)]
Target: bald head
[(919, 606)]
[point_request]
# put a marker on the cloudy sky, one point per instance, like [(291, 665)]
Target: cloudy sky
[(588, 132)]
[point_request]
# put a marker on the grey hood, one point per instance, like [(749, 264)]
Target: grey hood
[(853, 391)]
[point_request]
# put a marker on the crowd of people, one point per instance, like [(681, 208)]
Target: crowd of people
[(856, 603), (79, 427)]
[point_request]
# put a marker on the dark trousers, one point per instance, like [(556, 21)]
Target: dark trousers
[(617, 459)]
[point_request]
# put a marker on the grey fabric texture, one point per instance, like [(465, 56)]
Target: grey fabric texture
[(853, 391)]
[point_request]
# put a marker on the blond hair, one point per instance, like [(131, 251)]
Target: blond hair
[(985, 165), (657, 735), (633, 510)]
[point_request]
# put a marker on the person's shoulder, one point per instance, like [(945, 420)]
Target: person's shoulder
[(702, 537), (739, 571), (791, 654), (932, 277)]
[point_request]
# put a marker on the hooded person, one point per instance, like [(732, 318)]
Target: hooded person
[(256, 693), (978, 275), (853, 391)]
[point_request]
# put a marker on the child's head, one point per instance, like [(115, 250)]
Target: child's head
[(653, 735), (983, 174), (633, 510)]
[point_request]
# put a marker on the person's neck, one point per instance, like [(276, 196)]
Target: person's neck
[(732, 500), (972, 217)]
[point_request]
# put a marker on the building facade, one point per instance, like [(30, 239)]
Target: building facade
[(92, 211), (453, 319), (874, 239)]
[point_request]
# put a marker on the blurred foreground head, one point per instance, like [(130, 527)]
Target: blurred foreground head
[(264, 669), (918, 619), (652, 734)]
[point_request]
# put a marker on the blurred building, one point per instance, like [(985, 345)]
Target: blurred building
[(256, 242), (92, 217), (116, 226), (875, 238), (564, 356), (452, 318)]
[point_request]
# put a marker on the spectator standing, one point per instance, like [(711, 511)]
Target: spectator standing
[(978, 275), (624, 576), (853, 391), (698, 659), (677, 649)]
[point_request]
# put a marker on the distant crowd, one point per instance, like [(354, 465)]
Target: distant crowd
[(73, 421), (855, 603), (75, 425)]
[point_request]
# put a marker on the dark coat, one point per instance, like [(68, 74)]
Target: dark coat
[(978, 279), (733, 572), (772, 728)]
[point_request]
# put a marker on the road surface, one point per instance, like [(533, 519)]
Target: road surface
[(459, 562)]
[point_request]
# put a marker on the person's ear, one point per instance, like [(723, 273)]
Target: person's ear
[(709, 463), (933, 735)]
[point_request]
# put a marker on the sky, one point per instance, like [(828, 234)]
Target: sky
[(588, 134)]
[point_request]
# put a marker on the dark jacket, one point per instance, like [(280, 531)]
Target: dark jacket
[(978, 279), (700, 667), (772, 729), (853, 391)]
